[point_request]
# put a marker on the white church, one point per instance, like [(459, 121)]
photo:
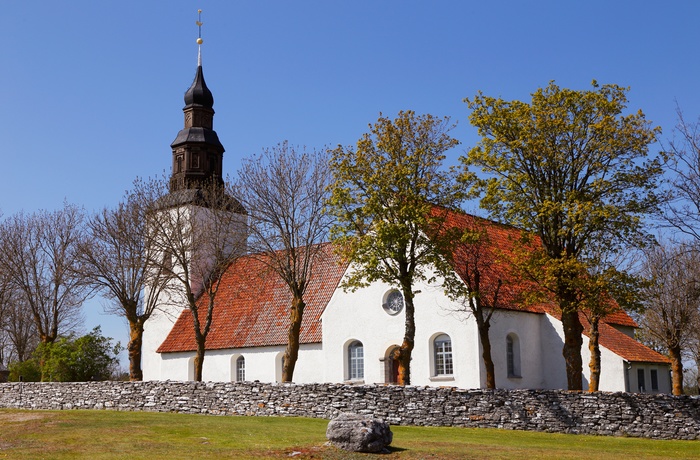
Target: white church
[(348, 337)]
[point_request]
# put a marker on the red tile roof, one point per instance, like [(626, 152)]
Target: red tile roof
[(252, 307), (490, 258), (501, 241)]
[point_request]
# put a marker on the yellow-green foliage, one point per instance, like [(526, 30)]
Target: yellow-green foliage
[(574, 169)]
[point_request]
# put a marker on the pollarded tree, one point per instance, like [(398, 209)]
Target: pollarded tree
[(284, 192), (383, 196), (486, 276), (603, 290), (196, 234), (573, 169), (672, 299), (115, 259)]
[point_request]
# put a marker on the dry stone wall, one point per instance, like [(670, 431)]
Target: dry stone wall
[(617, 414)]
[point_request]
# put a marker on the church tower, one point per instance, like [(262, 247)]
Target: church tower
[(198, 228), (197, 151)]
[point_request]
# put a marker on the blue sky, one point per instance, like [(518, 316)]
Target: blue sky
[(92, 90)]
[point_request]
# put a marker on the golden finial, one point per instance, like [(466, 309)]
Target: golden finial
[(199, 25)]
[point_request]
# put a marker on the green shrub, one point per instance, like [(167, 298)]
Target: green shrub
[(28, 370)]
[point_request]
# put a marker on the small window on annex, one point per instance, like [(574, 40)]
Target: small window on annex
[(654, 374), (641, 387), (442, 346), (240, 369), (513, 355), (356, 361)]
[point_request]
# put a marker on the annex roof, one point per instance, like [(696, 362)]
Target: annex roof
[(626, 347)]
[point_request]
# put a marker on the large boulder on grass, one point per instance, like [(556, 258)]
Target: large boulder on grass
[(359, 433)]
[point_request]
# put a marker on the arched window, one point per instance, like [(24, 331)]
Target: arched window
[(240, 369), (356, 361), (442, 346), (513, 355)]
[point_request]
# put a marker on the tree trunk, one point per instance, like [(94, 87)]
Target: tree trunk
[(674, 354), (292, 352), (483, 328), (406, 348), (46, 341), (594, 348), (199, 358), (134, 349), (573, 341)]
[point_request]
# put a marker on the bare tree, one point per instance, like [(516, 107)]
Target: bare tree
[(284, 191), (694, 352), (672, 300), (196, 234), (19, 329), (40, 255), (115, 259), (683, 207)]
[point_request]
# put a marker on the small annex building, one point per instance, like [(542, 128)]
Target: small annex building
[(349, 336)]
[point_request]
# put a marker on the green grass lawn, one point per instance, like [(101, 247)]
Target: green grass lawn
[(134, 435)]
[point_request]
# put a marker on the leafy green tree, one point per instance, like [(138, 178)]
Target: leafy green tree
[(383, 197), (70, 359), (573, 169)]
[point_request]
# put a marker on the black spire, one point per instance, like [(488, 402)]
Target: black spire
[(199, 94)]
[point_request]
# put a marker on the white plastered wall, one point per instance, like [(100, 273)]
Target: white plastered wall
[(525, 328), (359, 315), (261, 363), (155, 330)]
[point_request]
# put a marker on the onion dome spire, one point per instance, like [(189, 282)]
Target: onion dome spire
[(199, 94), (197, 151)]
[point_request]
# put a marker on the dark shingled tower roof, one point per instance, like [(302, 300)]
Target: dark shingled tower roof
[(197, 152), (199, 94)]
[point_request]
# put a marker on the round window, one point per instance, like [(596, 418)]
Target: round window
[(393, 302)]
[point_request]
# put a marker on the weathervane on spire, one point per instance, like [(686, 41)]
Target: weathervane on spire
[(199, 37)]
